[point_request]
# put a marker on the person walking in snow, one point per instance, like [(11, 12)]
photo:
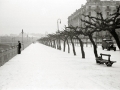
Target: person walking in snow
[(19, 47)]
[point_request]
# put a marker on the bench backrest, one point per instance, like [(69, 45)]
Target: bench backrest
[(106, 55)]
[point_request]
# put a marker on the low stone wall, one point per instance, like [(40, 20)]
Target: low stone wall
[(6, 55)]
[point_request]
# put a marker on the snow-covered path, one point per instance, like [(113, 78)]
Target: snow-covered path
[(41, 67)]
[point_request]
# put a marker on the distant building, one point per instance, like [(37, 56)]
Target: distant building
[(90, 8)]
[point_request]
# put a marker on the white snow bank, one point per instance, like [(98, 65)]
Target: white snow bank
[(41, 67)]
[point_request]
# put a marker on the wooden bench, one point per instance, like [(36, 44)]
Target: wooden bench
[(108, 62)]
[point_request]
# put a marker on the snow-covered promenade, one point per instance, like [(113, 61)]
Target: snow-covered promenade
[(40, 67)]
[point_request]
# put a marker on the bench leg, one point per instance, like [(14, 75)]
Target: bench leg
[(109, 64), (99, 62)]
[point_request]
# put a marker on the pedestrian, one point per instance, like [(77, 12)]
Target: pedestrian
[(19, 47)]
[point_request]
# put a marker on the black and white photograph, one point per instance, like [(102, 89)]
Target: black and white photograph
[(59, 44)]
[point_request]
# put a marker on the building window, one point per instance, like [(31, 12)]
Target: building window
[(89, 13), (108, 7), (107, 13), (89, 7), (97, 7)]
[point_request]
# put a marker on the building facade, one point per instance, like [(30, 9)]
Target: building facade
[(91, 8)]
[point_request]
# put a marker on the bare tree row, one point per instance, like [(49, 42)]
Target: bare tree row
[(92, 25)]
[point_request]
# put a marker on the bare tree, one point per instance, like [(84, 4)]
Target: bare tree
[(71, 35), (88, 31), (110, 24), (64, 37), (77, 33)]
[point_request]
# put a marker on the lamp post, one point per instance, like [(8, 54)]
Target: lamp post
[(58, 24), (58, 21)]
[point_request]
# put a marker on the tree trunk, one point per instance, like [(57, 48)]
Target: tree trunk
[(114, 34), (81, 45), (50, 43), (59, 44), (68, 46), (64, 45), (73, 46), (54, 44), (94, 46)]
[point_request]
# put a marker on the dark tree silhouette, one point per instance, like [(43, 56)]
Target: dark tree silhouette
[(53, 39), (110, 24), (77, 33), (71, 35), (63, 37), (88, 31), (57, 36)]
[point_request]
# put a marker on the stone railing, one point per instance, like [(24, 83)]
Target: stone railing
[(6, 55)]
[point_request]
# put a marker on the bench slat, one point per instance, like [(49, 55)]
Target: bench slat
[(105, 54), (113, 61), (103, 61)]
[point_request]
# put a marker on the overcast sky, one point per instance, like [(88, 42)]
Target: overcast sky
[(35, 16)]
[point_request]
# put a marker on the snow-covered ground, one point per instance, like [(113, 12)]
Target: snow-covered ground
[(40, 67)]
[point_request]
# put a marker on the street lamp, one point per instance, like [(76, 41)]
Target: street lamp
[(58, 23), (59, 46)]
